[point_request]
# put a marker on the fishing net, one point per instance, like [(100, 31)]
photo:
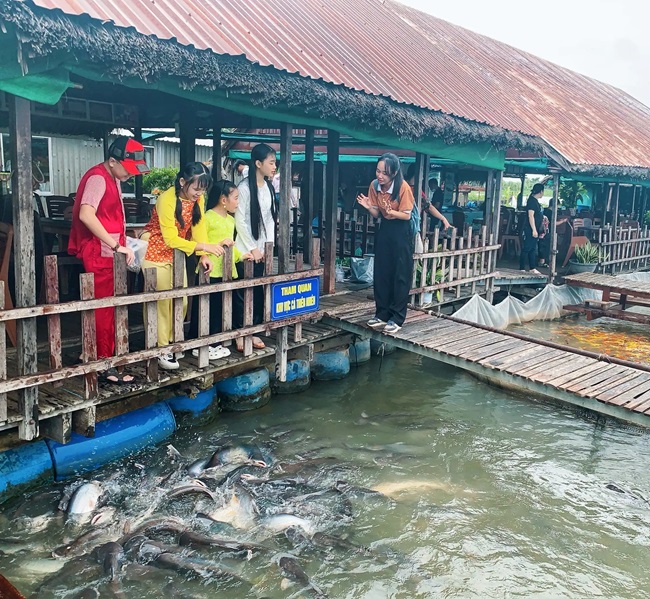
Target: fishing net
[(545, 306)]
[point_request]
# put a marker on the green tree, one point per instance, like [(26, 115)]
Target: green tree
[(159, 179), (570, 191)]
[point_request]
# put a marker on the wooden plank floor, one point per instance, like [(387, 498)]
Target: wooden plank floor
[(610, 283), (55, 400), (615, 390)]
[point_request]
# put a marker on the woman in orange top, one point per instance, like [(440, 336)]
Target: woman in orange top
[(390, 198), (177, 223)]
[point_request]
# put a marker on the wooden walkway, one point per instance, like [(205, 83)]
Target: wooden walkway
[(614, 390), (114, 399), (618, 295)]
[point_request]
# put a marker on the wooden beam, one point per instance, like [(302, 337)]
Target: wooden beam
[(217, 154), (556, 201), (331, 203), (617, 196), (20, 137), (308, 188), (284, 212), (187, 136)]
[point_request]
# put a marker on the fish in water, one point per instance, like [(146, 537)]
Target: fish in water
[(110, 555), (238, 454), (240, 511), (194, 539), (325, 540), (196, 486), (410, 487), (281, 522), (292, 569), (84, 500)]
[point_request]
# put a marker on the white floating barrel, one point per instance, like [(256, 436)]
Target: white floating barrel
[(331, 365), (247, 391)]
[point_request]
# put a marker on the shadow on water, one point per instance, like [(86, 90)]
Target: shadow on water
[(413, 480)]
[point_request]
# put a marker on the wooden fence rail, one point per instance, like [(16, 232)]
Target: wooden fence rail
[(83, 412), (625, 249), (455, 264)]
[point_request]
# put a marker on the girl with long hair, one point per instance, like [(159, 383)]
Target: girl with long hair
[(177, 222), (255, 222), (221, 204), (391, 200)]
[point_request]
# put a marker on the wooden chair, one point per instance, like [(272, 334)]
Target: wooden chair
[(56, 206), (6, 243), (509, 235), (573, 240), (131, 209)]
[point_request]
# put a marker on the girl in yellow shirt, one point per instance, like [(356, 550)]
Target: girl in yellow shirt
[(177, 222), (220, 228)]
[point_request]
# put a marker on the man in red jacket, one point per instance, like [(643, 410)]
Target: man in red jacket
[(99, 231)]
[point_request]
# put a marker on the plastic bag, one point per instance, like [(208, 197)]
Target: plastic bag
[(362, 269), (139, 247)]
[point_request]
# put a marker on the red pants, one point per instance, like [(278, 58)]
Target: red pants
[(104, 317)]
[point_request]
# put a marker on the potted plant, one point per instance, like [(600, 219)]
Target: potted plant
[(586, 258), (427, 296)]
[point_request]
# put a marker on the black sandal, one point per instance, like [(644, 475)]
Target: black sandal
[(112, 373)]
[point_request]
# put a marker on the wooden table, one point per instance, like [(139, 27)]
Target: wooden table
[(592, 231)]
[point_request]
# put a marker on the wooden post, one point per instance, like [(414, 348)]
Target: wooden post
[(556, 201), (187, 136), (151, 322), (248, 308), (615, 210), (88, 334), (204, 318), (331, 202), (268, 270), (488, 205), (308, 188), (421, 161), (178, 282), (217, 155), (284, 212), (633, 213), (226, 314), (496, 219), (20, 137), (3, 357), (297, 328), (138, 178), (281, 354), (520, 198), (53, 320), (121, 312)]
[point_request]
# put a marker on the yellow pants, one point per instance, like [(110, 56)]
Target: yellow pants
[(165, 307)]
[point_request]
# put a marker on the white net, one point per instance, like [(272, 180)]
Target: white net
[(545, 306)]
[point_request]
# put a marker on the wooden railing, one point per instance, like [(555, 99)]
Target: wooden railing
[(454, 267), (90, 365), (624, 250)]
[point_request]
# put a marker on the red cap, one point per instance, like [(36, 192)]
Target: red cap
[(130, 153)]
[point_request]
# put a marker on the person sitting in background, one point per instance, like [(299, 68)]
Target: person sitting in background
[(436, 198), (240, 168)]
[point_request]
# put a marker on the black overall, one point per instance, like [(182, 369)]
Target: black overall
[(393, 269)]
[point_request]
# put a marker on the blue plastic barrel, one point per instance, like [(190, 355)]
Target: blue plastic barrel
[(193, 405), (360, 351), (29, 464), (298, 378), (114, 439), (331, 365), (247, 391)]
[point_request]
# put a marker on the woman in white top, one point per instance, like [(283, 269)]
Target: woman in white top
[(255, 223)]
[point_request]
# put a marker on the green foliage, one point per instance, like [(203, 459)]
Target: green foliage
[(587, 254), (570, 191), (646, 219), (512, 187), (159, 179)]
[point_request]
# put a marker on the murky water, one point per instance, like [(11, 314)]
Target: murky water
[(483, 494)]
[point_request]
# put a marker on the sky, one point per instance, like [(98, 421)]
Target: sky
[(604, 39)]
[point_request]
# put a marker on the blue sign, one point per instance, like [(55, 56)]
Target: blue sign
[(292, 298)]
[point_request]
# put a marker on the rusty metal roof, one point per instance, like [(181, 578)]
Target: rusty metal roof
[(385, 48)]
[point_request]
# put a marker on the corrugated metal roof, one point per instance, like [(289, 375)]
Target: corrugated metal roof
[(388, 49)]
